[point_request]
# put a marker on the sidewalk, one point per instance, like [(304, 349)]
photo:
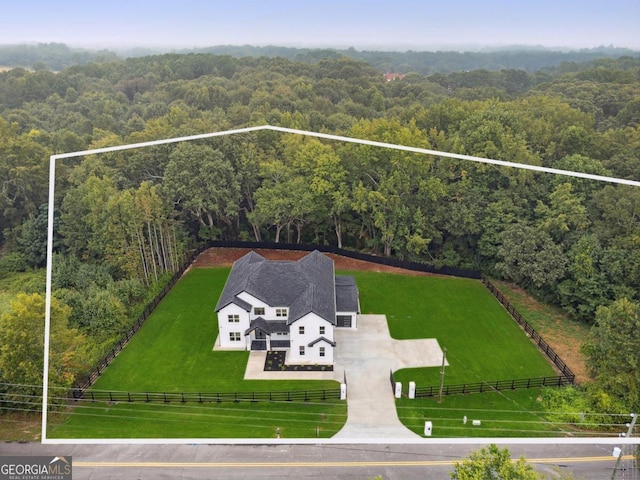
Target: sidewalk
[(366, 355)]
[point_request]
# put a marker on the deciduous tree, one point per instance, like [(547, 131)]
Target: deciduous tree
[(614, 350), (530, 257), (21, 351), (493, 463), (201, 181)]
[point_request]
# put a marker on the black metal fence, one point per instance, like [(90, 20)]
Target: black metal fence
[(83, 383), (499, 385), (184, 397), (542, 344), (393, 262)]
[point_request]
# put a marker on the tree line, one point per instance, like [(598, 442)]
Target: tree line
[(58, 56), (125, 219)]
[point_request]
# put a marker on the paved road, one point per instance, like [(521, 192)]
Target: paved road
[(311, 462)]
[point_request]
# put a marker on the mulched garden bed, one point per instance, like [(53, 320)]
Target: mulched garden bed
[(275, 361)]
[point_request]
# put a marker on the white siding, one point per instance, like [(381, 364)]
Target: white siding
[(226, 328), (269, 310), (311, 323)]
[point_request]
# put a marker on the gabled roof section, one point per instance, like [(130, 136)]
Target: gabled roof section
[(246, 306), (304, 286), (237, 278), (267, 327), (322, 339)]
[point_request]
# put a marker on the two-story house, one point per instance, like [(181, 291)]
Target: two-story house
[(286, 305)]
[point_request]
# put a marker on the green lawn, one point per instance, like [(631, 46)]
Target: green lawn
[(511, 413), (194, 420), (483, 344), (172, 352)]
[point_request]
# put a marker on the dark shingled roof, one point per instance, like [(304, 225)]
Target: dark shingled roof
[(346, 294), (238, 301), (304, 286), (268, 327)]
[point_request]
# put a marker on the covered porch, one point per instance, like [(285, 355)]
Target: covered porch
[(261, 332)]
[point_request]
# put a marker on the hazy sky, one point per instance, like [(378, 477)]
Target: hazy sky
[(400, 24)]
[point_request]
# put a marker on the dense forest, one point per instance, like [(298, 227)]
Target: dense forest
[(125, 220), (58, 56)]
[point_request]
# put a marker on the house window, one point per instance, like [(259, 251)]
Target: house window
[(234, 318), (301, 330), (322, 351), (234, 336), (281, 312), (302, 350), (322, 330), (258, 311)]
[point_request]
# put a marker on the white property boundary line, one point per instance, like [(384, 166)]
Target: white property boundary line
[(47, 323)]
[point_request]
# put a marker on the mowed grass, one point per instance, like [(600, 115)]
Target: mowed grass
[(173, 352), (483, 344), (511, 413), (194, 420)]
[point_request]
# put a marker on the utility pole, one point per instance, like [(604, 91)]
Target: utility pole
[(629, 433), (444, 359)]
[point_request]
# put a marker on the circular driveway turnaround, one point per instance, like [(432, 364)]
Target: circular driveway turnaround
[(366, 356)]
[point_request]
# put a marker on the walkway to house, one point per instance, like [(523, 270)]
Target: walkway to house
[(366, 355)]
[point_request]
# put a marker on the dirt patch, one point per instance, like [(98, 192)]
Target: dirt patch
[(570, 352), (565, 336), (20, 427), (223, 257)]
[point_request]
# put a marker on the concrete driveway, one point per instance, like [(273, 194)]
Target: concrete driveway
[(367, 356)]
